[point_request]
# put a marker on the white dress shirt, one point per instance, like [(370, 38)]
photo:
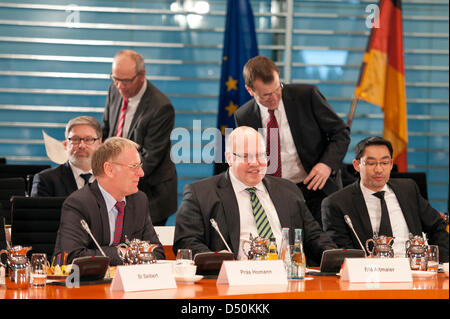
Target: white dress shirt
[(398, 223), (291, 166), (133, 103), (246, 218), (78, 179), (112, 211)]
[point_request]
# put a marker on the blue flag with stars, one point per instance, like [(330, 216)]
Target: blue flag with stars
[(239, 46)]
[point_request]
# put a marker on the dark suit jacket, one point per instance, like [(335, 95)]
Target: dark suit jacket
[(88, 204), (214, 197), (319, 134), (419, 215), (150, 128), (56, 181)]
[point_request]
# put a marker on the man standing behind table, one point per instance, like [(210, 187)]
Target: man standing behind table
[(377, 204), (112, 206), (83, 136), (137, 110), (313, 138), (244, 201)]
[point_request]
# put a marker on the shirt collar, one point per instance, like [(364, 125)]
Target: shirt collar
[(367, 191), (139, 95), (109, 199), (238, 186), (77, 171)]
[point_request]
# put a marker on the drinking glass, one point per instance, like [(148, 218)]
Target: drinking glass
[(8, 235), (184, 256), (38, 275), (433, 258)]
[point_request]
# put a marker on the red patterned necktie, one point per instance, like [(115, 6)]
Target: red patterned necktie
[(273, 124), (123, 112), (119, 223)]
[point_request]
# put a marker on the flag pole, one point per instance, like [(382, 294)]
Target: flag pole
[(352, 111)]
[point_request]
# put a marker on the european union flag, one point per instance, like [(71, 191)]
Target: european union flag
[(239, 46)]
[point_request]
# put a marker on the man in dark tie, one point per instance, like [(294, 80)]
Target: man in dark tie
[(377, 204), (243, 201), (83, 136), (137, 110), (112, 206), (306, 139)]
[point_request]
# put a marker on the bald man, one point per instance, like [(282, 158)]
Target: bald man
[(137, 110)]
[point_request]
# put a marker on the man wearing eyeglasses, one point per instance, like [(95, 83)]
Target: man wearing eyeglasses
[(112, 206), (307, 140), (83, 136), (243, 201), (137, 110), (379, 205)]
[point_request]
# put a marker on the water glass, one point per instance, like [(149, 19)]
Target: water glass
[(38, 275), (184, 256), (433, 258)]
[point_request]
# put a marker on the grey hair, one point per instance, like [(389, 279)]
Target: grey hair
[(84, 120)]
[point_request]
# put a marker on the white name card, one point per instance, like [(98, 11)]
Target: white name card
[(248, 272), (376, 270), (143, 277)]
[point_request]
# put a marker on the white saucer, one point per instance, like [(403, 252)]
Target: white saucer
[(422, 274), (188, 280)]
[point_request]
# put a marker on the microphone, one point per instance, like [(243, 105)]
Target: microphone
[(87, 229), (349, 223), (216, 227)]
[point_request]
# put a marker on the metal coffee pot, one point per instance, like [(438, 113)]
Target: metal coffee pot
[(416, 251), (18, 265), (136, 252), (256, 248), (382, 246)]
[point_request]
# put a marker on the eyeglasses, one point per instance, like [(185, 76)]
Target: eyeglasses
[(261, 157), (373, 164), (124, 81), (268, 96), (89, 140), (134, 167)]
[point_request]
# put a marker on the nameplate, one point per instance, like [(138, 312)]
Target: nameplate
[(376, 270), (143, 277), (248, 272)]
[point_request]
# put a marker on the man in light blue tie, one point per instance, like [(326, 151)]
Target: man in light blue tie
[(244, 201)]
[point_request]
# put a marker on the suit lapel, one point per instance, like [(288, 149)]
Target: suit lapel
[(292, 115), (254, 121), (360, 207), (278, 202), (106, 236), (402, 198), (69, 180), (231, 209), (127, 228), (143, 105)]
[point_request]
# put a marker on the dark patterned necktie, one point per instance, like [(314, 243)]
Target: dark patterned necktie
[(86, 177), (385, 224), (273, 136), (119, 223), (262, 222)]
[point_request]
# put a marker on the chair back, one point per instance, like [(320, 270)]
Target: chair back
[(13, 186), (21, 170), (35, 222)]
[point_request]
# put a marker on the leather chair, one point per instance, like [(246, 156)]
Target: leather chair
[(35, 222), (14, 186)]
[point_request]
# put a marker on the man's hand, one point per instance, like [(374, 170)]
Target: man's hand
[(318, 176)]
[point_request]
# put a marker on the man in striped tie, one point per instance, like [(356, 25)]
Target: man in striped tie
[(112, 206), (243, 201)]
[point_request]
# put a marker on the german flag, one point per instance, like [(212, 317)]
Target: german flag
[(382, 77)]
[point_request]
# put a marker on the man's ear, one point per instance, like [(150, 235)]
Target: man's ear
[(228, 158), (356, 164), (107, 168), (64, 143), (249, 90)]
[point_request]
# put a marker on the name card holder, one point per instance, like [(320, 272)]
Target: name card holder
[(143, 277), (248, 272), (376, 270)]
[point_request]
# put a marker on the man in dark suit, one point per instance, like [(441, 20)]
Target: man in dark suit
[(112, 206), (228, 198), (311, 138), (406, 211), (137, 110), (83, 136)]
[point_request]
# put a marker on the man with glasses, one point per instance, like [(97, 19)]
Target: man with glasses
[(112, 206), (306, 139), (137, 110), (83, 136), (377, 204), (243, 201)]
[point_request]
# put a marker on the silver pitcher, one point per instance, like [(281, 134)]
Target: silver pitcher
[(382, 246), (416, 251), (18, 266), (136, 251), (257, 249)]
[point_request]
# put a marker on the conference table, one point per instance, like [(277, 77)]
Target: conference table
[(312, 287)]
